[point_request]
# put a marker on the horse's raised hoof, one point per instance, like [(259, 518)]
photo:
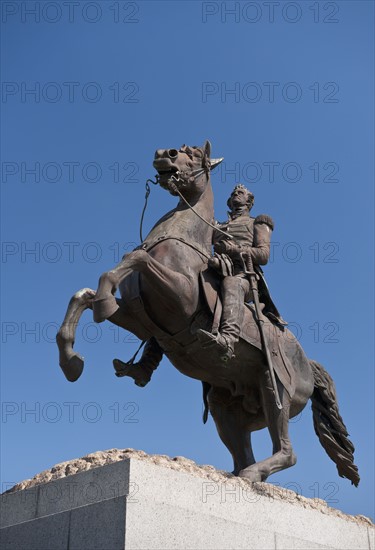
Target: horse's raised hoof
[(73, 367), (104, 308), (133, 370)]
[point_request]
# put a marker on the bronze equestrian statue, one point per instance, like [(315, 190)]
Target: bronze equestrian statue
[(241, 236), (170, 294)]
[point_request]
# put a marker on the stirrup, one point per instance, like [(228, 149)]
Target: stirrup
[(229, 354), (209, 340)]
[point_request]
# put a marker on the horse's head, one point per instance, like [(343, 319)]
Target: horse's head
[(186, 169)]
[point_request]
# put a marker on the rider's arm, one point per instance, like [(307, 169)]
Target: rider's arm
[(260, 251), (219, 240), (216, 235)]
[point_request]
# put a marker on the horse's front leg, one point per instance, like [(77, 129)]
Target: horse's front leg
[(165, 282), (104, 304), (70, 361)]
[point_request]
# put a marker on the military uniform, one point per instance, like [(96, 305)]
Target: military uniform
[(249, 236)]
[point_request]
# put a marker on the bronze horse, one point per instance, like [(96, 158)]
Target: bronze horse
[(164, 295)]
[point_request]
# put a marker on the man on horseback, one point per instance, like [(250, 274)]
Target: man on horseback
[(247, 236), (168, 291)]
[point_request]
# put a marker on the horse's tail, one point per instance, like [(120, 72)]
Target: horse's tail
[(329, 426)]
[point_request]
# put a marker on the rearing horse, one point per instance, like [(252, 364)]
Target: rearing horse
[(166, 295)]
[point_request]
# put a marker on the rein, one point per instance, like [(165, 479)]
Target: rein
[(148, 191), (173, 187), (148, 246)]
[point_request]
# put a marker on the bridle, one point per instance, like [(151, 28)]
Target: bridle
[(173, 187)]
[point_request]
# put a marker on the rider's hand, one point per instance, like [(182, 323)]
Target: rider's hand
[(227, 247), (219, 247)]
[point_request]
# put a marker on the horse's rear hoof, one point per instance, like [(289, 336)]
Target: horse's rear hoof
[(252, 474), (73, 368)]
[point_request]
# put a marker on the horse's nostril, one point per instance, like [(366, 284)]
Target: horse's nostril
[(173, 153)]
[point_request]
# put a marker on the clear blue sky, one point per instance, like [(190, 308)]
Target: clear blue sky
[(287, 98)]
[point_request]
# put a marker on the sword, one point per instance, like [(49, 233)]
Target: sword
[(249, 270)]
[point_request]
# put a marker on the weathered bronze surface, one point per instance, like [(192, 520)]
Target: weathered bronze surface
[(174, 296)]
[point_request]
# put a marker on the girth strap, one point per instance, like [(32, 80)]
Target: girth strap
[(147, 246)]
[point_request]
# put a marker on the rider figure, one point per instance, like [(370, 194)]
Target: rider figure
[(250, 236), (246, 236)]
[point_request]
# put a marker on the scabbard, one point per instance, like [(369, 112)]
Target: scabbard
[(249, 271)]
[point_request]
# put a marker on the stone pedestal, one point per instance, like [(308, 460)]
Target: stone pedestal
[(138, 504)]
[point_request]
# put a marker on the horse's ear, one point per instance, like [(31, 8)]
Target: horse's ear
[(207, 149)]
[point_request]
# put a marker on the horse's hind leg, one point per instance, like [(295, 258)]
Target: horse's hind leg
[(232, 423), (70, 361), (277, 421)]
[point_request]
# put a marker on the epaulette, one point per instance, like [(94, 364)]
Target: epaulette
[(264, 218)]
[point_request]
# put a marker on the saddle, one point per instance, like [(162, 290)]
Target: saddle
[(186, 343), (210, 288)]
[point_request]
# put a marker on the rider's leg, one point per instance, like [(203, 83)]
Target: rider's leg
[(142, 371), (234, 290)]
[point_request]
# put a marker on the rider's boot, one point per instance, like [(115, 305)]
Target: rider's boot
[(233, 291), (142, 371)]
